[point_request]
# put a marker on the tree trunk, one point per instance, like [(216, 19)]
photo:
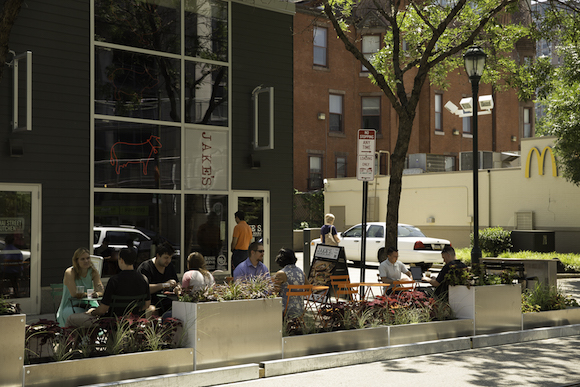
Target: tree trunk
[(7, 17)]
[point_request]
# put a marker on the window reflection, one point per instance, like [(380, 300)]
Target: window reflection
[(206, 29), (149, 24), (206, 225), (135, 85), (133, 155), (206, 94)]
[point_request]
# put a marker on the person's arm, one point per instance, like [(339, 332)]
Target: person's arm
[(69, 282), (98, 311), (234, 243), (279, 278), (168, 285), (383, 274), (335, 235), (97, 284)]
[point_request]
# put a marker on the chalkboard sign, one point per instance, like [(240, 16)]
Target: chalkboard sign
[(327, 261)]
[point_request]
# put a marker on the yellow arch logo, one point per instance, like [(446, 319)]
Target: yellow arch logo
[(541, 158)]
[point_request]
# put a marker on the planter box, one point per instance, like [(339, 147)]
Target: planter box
[(383, 336), (428, 331), (12, 353), (338, 341), (108, 369), (231, 332), (551, 318), (493, 308)]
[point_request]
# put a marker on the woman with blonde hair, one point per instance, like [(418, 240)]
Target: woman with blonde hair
[(197, 277), (81, 273), (328, 233)]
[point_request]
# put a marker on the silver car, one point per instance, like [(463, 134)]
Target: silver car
[(414, 247)]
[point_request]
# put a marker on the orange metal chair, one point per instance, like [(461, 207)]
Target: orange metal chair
[(404, 286), (302, 291), (342, 286)]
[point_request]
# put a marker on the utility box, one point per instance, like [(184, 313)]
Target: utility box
[(542, 241)]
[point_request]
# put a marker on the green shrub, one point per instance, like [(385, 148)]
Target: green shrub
[(494, 240), (545, 297)]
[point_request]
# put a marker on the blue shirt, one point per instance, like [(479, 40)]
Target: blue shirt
[(246, 269)]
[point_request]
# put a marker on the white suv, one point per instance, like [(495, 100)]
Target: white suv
[(118, 237)]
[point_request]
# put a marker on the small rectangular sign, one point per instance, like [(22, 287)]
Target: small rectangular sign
[(365, 163)]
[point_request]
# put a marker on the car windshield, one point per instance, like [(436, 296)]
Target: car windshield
[(409, 231), (355, 232)]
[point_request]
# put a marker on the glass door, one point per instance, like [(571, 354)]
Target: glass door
[(255, 204), (20, 245)]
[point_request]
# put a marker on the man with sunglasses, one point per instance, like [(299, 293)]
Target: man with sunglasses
[(253, 266)]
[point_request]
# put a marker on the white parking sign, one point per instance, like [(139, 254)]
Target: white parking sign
[(365, 163)]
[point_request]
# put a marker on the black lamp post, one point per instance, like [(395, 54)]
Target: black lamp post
[(474, 59)]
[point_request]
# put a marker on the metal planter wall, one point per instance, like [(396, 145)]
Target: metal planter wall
[(551, 318), (493, 308), (435, 330), (232, 332), (108, 369), (12, 353)]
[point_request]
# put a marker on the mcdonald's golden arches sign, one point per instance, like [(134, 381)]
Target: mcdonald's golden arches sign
[(540, 158)]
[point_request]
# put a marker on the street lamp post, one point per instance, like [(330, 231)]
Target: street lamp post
[(474, 60)]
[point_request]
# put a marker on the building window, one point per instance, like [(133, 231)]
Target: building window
[(320, 40), (371, 113), (341, 166), (370, 46), (528, 122), (438, 112), (315, 172), (335, 110), (467, 125)]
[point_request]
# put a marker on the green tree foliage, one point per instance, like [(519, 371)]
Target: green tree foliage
[(436, 34), (8, 14)]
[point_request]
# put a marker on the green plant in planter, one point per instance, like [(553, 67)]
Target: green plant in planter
[(478, 276), (544, 297), (250, 289), (7, 307)]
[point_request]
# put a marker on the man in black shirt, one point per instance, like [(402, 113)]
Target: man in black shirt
[(440, 283), (162, 276), (127, 282)]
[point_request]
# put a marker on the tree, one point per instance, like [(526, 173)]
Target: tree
[(558, 88), (8, 15), (436, 35)]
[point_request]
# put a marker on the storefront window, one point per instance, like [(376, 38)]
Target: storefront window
[(206, 94), (206, 159), (206, 29), (145, 218), (206, 226), (128, 84), (134, 155), (148, 24)]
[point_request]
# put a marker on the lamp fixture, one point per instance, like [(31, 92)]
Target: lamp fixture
[(514, 138), (455, 132), (321, 116)]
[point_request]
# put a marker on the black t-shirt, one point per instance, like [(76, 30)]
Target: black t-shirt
[(443, 287), (153, 275), (126, 283)]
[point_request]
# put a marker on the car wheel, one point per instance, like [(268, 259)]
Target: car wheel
[(382, 255), (425, 266)]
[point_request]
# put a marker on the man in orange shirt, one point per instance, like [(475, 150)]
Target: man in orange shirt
[(240, 240)]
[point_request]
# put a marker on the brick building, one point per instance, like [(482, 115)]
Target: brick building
[(333, 98)]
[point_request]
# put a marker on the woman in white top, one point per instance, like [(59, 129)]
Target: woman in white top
[(197, 277)]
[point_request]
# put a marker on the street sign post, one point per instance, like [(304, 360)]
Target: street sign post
[(365, 172)]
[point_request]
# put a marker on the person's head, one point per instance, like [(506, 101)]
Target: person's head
[(448, 254), (128, 256), (196, 261), (256, 251), (81, 261), (163, 254), (240, 215), (392, 254), (106, 241), (285, 257), (9, 239), (130, 242), (328, 219)]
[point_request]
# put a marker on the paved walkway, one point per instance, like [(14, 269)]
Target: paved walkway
[(553, 362)]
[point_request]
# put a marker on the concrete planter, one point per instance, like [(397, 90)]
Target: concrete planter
[(493, 308), (12, 353), (551, 318), (295, 346), (108, 369), (231, 332)]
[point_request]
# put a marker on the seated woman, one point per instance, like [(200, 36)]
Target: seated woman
[(290, 274), (197, 277), (81, 273)]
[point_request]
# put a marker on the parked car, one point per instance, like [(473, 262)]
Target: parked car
[(414, 247)]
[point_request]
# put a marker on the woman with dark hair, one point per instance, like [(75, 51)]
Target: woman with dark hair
[(81, 273), (197, 277), (290, 274)]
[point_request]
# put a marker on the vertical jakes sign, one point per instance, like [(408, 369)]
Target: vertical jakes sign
[(365, 163)]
